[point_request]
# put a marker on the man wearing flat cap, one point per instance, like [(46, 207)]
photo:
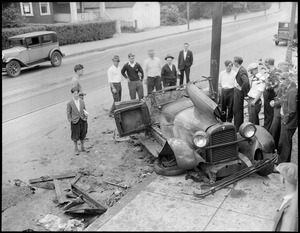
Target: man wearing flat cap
[(134, 74), (114, 80), (289, 117), (286, 218), (169, 72), (240, 92), (257, 86)]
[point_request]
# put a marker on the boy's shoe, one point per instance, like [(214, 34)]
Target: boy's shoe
[(76, 152), (85, 150)]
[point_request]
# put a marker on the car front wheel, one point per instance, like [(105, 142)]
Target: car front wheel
[(13, 68), (56, 59)]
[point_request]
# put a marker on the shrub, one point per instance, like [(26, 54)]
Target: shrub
[(12, 18), (171, 16)]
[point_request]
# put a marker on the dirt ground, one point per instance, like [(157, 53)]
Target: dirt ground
[(52, 153), (125, 163)]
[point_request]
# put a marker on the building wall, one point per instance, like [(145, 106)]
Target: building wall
[(124, 14), (37, 17), (61, 8), (147, 14)]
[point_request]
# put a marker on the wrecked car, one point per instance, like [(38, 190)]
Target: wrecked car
[(190, 136)]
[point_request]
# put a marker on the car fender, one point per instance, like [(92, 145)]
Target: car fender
[(13, 58), (186, 157), (53, 50), (262, 140)]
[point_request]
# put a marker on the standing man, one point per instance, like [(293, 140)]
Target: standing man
[(276, 104), (226, 85), (185, 61), (134, 74), (257, 87), (289, 118), (75, 82), (169, 72), (269, 93), (240, 92), (152, 68), (114, 80), (286, 218)]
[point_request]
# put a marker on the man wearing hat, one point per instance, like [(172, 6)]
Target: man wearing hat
[(257, 86), (134, 74), (289, 118), (269, 93), (280, 92), (114, 80), (169, 72), (152, 68), (286, 218), (240, 92)]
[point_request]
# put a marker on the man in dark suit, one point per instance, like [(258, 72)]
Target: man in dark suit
[(185, 61), (289, 117), (240, 92), (169, 72)]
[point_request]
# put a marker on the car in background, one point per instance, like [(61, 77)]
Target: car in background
[(283, 33), (30, 49)]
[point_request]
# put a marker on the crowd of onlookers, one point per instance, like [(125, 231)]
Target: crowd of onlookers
[(262, 84)]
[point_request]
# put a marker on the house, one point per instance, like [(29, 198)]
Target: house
[(136, 14), (36, 12)]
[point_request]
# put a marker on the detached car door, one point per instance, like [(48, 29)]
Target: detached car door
[(131, 117)]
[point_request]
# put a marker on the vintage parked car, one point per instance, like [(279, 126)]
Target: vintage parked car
[(283, 33), (30, 49), (190, 136)]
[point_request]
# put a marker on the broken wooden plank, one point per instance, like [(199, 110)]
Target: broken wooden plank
[(74, 202), (88, 199), (61, 189), (50, 178), (77, 177)]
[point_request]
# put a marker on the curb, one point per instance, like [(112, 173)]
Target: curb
[(157, 37)]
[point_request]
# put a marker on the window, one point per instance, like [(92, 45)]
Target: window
[(33, 41), (46, 38), (26, 8), (44, 8)]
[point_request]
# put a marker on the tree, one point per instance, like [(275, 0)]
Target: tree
[(11, 17)]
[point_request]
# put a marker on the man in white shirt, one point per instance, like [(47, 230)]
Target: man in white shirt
[(257, 86), (227, 83), (114, 80), (152, 67)]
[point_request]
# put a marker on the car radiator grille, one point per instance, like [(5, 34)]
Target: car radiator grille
[(224, 152)]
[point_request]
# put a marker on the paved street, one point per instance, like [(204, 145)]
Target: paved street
[(161, 203)]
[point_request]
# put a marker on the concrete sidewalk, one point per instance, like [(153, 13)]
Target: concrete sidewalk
[(168, 204), (124, 39)]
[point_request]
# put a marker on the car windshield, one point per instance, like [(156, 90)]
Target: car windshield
[(14, 43)]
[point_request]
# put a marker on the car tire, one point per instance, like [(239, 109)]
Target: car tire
[(13, 68), (266, 170), (160, 169), (56, 59), (276, 42)]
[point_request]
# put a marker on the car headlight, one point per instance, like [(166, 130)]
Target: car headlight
[(247, 130), (201, 139)]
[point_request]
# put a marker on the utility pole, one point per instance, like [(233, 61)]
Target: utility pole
[(216, 46), (188, 14), (288, 57)]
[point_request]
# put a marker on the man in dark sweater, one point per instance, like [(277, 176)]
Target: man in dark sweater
[(134, 74)]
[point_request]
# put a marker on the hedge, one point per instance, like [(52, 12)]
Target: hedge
[(67, 33)]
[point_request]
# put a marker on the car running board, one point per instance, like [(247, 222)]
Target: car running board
[(234, 177)]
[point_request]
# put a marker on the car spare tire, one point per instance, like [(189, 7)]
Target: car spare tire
[(167, 166)]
